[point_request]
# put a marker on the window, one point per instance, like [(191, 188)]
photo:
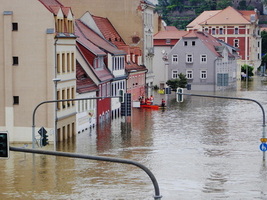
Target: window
[(15, 60), (189, 74), (193, 43), (203, 58), (203, 74), (15, 100), (236, 30), (175, 58), (222, 79), (14, 26), (174, 74), (236, 43), (185, 43), (189, 58), (221, 31)]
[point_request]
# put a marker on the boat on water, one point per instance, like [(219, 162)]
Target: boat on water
[(152, 106)]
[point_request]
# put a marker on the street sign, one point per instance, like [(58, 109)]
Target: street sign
[(263, 147), (44, 136)]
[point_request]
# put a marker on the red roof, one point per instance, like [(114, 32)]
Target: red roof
[(170, 34), (108, 30), (208, 40), (97, 40), (87, 43), (83, 82), (103, 74)]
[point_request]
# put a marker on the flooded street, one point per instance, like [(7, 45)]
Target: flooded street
[(202, 148)]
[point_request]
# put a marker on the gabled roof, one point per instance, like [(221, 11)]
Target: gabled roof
[(87, 44), (230, 16), (208, 40), (103, 74), (83, 82), (201, 18), (108, 30), (97, 40), (54, 6)]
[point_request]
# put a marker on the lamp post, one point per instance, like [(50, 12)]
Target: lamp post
[(55, 80)]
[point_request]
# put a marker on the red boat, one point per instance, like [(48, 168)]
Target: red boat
[(154, 107)]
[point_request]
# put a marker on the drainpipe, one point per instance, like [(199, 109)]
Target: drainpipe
[(56, 80), (215, 73)]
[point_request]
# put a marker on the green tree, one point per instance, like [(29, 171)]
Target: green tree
[(247, 69), (223, 4), (181, 82), (264, 42)]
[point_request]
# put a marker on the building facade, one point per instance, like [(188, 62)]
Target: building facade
[(163, 43), (135, 20), (35, 54), (237, 28), (209, 64)]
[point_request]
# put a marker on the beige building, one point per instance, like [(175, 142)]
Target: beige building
[(37, 47), (135, 20)]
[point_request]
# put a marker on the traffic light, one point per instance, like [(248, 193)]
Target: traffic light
[(4, 145), (44, 137), (179, 95), (45, 140), (121, 96)]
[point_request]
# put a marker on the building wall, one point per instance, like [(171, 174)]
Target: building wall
[(213, 65), (249, 38), (29, 78), (125, 16)]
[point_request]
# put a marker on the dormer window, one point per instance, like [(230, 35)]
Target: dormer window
[(70, 26), (60, 26)]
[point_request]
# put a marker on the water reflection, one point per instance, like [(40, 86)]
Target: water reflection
[(201, 148)]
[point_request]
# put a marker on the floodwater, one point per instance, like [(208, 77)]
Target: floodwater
[(202, 148)]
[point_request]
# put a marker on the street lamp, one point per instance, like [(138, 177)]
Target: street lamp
[(55, 80)]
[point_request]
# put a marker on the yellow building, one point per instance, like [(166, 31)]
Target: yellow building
[(37, 50)]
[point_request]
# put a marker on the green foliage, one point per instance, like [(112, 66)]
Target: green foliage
[(264, 42), (247, 68), (174, 11), (181, 82)]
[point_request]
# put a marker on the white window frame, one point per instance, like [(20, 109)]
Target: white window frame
[(236, 30), (236, 43), (175, 74), (221, 31), (189, 74), (174, 58), (203, 58), (213, 31), (203, 74), (189, 58)]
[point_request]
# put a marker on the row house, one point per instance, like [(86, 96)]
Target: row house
[(140, 14), (107, 63), (37, 52), (208, 63), (164, 41), (135, 71), (237, 28)]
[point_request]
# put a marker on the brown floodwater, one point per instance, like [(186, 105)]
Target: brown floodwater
[(202, 148)]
